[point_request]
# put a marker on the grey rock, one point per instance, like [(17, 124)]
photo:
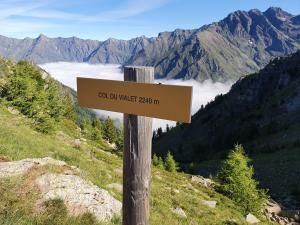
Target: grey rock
[(16, 168), (13, 111), (79, 195), (176, 191), (77, 143), (250, 218), (203, 181), (273, 207), (178, 211), (210, 204)]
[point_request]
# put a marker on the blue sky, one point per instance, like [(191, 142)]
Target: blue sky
[(101, 19)]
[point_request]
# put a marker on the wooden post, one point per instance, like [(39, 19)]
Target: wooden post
[(137, 157)]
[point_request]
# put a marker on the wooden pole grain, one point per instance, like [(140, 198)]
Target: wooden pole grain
[(137, 157)]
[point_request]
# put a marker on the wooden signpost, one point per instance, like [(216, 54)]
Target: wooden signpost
[(140, 100)]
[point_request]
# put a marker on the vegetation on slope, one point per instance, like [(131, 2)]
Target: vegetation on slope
[(20, 139), (262, 112), (49, 104), (237, 182)]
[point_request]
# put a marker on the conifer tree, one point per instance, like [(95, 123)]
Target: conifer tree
[(170, 163), (96, 130), (237, 182), (159, 132), (110, 133)]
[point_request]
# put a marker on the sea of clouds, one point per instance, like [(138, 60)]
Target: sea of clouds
[(66, 73)]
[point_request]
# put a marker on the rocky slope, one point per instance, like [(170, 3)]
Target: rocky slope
[(261, 111), (241, 43)]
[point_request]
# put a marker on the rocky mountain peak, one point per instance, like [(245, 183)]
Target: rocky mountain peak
[(277, 12), (255, 12), (42, 36)]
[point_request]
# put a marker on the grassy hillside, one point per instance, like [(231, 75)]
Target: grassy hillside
[(18, 141), (262, 112), (20, 138)]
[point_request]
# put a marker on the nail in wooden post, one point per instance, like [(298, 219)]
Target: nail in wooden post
[(137, 157)]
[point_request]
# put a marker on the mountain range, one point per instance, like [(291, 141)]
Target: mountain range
[(241, 43)]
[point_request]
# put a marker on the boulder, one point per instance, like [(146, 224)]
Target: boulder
[(210, 204), (77, 143), (179, 211), (250, 218), (13, 111), (79, 195), (273, 207), (175, 191), (202, 181)]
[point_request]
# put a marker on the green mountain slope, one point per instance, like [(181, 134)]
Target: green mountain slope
[(21, 138), (18, 141), (262, 112)]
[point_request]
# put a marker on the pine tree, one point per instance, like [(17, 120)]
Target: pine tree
[(96, 130), (55, 105), (158, 162), (69, 110), (170, 163), (237, 182), (110, 133), (86, 127), (167, 128), (159, 132)]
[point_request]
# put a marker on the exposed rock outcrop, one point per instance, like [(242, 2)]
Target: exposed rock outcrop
[(15, 168), (206, 182), (250, 218), (79, 195), (210, 204), (179, 211)]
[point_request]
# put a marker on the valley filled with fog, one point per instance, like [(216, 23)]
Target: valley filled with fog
[(66, 73)]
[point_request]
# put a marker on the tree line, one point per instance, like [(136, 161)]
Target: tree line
[(36, 95)]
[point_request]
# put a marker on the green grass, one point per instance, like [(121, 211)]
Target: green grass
[(19, 141)]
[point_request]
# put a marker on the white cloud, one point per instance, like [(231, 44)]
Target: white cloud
[(14, 8), (10, 9), (132, 8), (67, 72), (19, 16), (126, 9)]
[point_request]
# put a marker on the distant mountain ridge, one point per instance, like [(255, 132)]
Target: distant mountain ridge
[(240, 44)]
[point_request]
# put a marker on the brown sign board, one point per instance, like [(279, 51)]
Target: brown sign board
[(171, 102)]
